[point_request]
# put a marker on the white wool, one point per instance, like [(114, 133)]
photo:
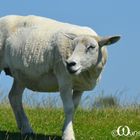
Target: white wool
[(33, 50), (10, 24)]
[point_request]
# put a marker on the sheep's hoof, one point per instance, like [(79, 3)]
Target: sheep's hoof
[(28, 136)]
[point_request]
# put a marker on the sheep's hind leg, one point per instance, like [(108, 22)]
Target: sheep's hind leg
[(15, 98)]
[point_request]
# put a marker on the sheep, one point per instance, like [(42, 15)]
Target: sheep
[(50, 58), (11, 23)]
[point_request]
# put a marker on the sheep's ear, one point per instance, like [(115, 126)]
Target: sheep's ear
[(108, 40), (70, 35)]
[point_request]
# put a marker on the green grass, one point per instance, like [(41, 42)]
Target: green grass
[(94, 124)]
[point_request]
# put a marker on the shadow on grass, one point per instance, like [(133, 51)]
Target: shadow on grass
[(17, 136)]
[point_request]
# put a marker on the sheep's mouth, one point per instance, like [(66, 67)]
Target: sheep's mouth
[(74, 71)]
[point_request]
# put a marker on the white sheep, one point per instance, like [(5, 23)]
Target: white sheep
[(45, 55), (11, 23)]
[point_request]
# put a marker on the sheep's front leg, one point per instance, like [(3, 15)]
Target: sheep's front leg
[(76, 98), (15, 98), (66, 96), (65, 88)]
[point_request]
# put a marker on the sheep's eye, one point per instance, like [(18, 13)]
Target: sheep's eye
[(90, 47)]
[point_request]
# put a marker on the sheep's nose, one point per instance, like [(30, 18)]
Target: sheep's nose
[(70, 64)]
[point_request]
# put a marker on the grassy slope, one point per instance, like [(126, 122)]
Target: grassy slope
[(88, 125)]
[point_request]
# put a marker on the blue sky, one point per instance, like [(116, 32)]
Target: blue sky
[(106, 18)]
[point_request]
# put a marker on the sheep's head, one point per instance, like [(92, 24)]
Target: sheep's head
[(86, 51)]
